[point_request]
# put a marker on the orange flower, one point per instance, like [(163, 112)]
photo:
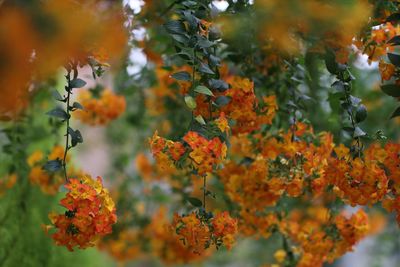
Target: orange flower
[(387, 70)]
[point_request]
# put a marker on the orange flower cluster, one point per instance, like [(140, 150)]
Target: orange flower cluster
[(165, 152), (281, 24), (359, 181), (49, 183), (127, 245), (100, 110), (199, 233), (90, 214), (204, 154), (321, 238), (167, 245), (244, 108), (376, 46), (387, 70), (272, 168)]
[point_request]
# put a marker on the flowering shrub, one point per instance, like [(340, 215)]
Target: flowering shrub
[(235, 128)]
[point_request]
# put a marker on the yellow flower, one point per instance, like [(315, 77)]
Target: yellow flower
[(280, 255)]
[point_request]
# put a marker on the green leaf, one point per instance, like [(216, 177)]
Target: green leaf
[(58, 97), (393, 18), (214, 61), (76, 105), (190, 102), (204, 43), (175, 27), (181, 76), (354, 100), (189, 3), (183, 39), (214, 34), (219, 85), (192, 20), (394, 59), (330, 62), (361, 113), (58, 113), (185, 56), (53, 165), (204, 68), (77, 83), (200, 120), (203, 90), (195, 201), (391, 89), (339, 86), (222, 100), (358, 132), (395, 40), (348, 129), (76, 136), (396, 113)]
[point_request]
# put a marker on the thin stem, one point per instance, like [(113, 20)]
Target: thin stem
[(204, 191), (68, 88), (353, 123), (289, 251), (192, 85)]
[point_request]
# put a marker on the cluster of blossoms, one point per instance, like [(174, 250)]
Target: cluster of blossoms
[(306, 20), (100, 108), (167, 244), (360, 181), (278, 166), (49, 183), (127, 245), (320, 237), (203, 154), (377, 45), (165, 152), (199, 230), (243, 108), (90, 214)]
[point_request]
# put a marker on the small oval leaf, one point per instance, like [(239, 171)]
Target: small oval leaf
[(190, 102), (77, 83), (195, 201), (391, 89), (396, 113), (203, 90), (182, 76), (361, 113)]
